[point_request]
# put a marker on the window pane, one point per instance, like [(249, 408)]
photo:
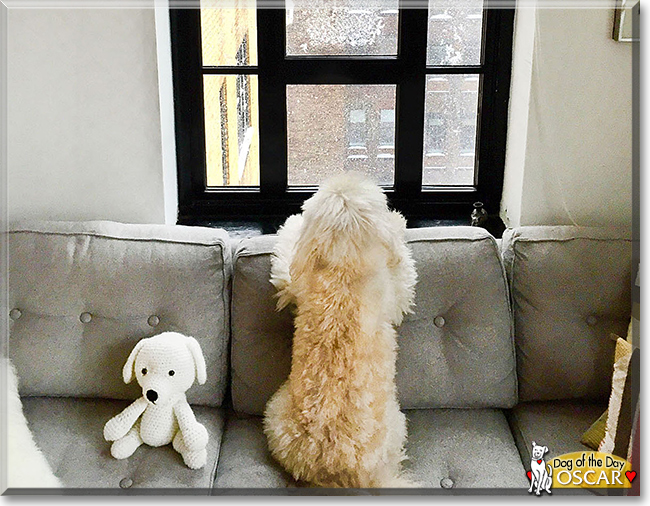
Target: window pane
[(342, 27), (335, 128), (455, 28), (450, 120), (231, 130), (228, 35)]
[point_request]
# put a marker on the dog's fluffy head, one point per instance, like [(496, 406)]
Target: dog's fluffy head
[(348, 203), (348, 212), (165, 365)]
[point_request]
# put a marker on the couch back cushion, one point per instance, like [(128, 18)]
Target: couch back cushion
[(81, 295), (570, 291), (455, 350)]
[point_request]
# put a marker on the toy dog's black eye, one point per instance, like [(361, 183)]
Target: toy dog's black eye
[(144, 371), (171, 373)]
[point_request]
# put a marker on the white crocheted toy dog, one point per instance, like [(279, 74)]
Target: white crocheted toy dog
[(165, 366)]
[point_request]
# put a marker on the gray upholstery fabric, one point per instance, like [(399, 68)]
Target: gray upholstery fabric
[(570, 290), (82, 295), (70, 433), (559, 425), (471, 447), (245, 461), (467, 361), (261, 337)]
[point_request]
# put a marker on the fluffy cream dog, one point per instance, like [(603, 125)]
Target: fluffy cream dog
[(345, 266)]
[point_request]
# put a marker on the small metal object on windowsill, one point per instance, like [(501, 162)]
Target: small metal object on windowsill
[(490, 222), (479, 215)]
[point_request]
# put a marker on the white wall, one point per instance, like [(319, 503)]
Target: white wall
[(84, 136), (84, 128), (569, 158)]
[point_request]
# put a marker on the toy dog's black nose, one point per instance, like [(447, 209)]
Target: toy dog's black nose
[(152, 395)]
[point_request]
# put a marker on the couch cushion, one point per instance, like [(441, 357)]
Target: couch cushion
[(570, 290), (70, 433), (245, 461), (456, 350), (261, 337), (559, 425), (82, 294), (472, 448), (463, 448)]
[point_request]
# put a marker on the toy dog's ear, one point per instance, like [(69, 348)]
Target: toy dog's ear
[(534, 444), (199, 361), (127, 371), (545, 449)]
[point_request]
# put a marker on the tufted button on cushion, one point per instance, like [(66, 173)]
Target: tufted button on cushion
[(439, 321), (15, 313), (591, 320), (126, 483), (446, 483), (85, 317), (153, 321)]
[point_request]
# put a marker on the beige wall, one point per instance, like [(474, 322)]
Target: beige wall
[(84, 136), (569, 154)]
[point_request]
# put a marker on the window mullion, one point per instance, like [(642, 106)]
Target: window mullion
[(410, 100), (272, 100), (494, 98)]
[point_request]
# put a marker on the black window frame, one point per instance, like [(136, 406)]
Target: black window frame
[(408, 70)]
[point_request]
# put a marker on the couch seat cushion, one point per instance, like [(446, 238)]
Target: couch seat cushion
[(463, 448), (244, 461), (446, 447), (70, 433), (559, 425)]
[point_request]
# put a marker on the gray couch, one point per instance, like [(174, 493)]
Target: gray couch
[(509, 343)]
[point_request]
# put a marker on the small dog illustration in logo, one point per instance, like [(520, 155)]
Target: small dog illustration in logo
[(541, 474)]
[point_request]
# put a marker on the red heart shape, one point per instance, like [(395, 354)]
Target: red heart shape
[(630, 475), (529, 474), (539, 461)]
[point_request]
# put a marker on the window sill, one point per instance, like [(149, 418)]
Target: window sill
[(251, 228)]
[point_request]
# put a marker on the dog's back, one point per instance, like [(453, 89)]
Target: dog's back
[(336, 421)]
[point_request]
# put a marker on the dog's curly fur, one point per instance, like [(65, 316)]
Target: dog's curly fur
[(345, 266)]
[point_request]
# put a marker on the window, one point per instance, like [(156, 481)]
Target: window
[(435, 134), (387, 129), (357, 130), (269, 102)]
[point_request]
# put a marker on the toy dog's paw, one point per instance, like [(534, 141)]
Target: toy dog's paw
[(195, 460), (114, 429), (124, 448), (197, 439)]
